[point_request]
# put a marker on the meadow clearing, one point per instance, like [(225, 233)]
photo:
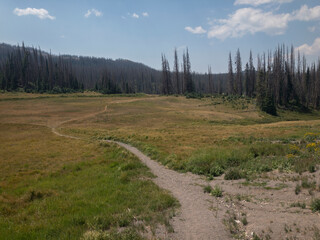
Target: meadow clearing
[(261, 170)]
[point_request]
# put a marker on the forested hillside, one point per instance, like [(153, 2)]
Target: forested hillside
[(34, 70), (280, 78)]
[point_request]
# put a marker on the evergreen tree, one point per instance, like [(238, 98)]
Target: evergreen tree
[(230, 76)]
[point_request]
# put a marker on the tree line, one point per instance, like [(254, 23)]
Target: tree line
[(177, 82), (32, 70), (280, 80)]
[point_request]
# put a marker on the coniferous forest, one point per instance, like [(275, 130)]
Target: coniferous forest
[(281, 78)]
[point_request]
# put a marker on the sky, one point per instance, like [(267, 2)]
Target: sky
[(141, 30)]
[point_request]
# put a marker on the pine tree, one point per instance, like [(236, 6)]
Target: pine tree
[(176, 72), (230, 76), (238, 82)]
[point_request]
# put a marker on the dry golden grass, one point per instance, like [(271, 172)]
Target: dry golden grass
[(175, 125), (29, 152), (53, 187)]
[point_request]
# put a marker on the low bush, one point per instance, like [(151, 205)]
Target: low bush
[(233, 174)]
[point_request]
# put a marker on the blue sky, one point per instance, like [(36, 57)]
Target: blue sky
[(140, 30)]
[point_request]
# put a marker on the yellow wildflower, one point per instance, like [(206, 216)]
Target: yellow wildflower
[(290, 155), (311, 145)]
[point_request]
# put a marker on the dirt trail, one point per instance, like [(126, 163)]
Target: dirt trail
[(200, 215), (196, 220)]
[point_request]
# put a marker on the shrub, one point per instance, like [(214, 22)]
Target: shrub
[(216, 171), (268, 149), (315, 205), (312, 168), (233, 174)]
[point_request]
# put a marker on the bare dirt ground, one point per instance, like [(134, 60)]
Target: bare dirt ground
[(196, 219), (267, 208)]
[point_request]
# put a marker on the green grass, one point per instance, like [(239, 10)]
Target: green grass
[(96, 193), (298, 204), (315, 205), (217, 191), (210, 135)]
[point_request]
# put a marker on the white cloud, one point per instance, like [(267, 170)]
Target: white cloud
[(196, 30), (249, 20), (252, 20), (134, 15), (145, 14), (40, 13), (260, 2), (94, 12), (314, 49), (307, 14)]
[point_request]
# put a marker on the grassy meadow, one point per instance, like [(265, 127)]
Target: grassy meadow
[(210, 136), (58, 188)]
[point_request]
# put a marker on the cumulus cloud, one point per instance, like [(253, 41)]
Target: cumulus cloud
[(40, 13), (313, 49), (260, 2), (134, 15), (252, 20), (196, 30), (94, 12), (249, 20), (145, 14), (307, 14)]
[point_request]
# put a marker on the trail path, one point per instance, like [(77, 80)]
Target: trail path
[(200, 216)]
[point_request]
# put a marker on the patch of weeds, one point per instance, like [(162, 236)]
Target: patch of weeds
[(255, 184), (233, 174), (316, 234), (216, 191), (268, 149), (297, 190), (315, 205), (306, 184), (231, 223), (255, 237), (287, 229), (277, 187), (298, 204), (207, 189), (35, 195), (312, 168), (242, 197), (244, 221), (216, 171)]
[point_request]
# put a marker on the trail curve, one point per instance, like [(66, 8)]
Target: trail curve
[(196, 220)]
